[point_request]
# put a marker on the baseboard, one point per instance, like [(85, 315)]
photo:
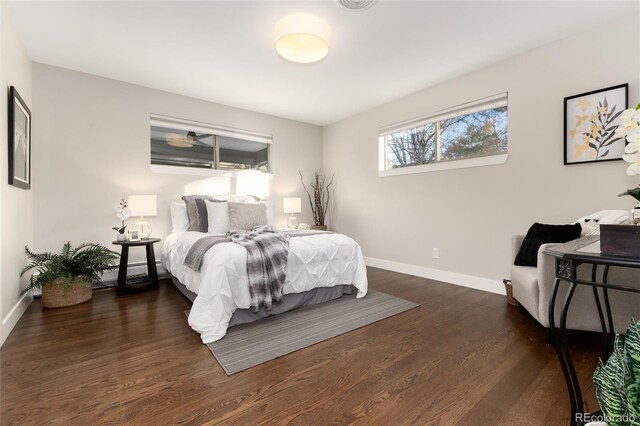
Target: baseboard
[(478, 283), (14, 315)]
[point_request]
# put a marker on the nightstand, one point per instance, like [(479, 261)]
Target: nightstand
[(141, 282)]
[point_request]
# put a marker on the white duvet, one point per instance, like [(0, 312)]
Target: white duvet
[(321, 260)]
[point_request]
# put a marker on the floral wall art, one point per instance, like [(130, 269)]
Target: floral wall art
[(590, 122)]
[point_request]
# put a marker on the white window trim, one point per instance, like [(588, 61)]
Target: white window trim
[(488, 160), (489, 102), (198, 171)]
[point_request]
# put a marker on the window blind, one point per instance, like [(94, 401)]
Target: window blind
[(490, 102), (196, 126)]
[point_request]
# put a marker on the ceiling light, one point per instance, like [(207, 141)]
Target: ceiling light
[(302, 38)]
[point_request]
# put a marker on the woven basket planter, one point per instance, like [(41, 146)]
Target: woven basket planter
[(54, 296)]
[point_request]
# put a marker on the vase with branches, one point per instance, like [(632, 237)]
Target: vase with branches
[(319, 197)]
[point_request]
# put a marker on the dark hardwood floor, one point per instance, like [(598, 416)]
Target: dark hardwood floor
[(463, 357)]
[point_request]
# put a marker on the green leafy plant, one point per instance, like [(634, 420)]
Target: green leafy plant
[(634, 192), (87, 261), (618, 382)]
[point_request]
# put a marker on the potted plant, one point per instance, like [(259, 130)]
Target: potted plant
[(618, 381), (122, 212), (66, 278), (629, 127), (320, 199)]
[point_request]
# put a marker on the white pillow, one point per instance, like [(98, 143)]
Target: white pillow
[(613, 217), (590, 227), (218, 217), (179, 218)]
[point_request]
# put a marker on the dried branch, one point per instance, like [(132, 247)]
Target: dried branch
[(319, 201)]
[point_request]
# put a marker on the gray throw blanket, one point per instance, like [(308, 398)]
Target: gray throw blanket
[(197, 251), (267, 253)]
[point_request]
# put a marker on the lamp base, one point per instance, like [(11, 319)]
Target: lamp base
[(292, 223), (144, 229)]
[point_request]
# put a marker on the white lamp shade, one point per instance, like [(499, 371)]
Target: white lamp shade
[(143, 205), (302, 38), (293, 205)]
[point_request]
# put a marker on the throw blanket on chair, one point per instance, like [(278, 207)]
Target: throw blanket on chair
[(267, 254)]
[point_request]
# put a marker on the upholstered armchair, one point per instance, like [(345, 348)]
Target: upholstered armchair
[(533, 286)]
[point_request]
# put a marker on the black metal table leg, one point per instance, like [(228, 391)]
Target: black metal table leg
[(572, 380), (607, 306), (596, 296), (559, 347)]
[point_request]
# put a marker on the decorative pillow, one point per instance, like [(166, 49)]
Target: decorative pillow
[(203, 220), (179, 219), (218, 217), (246, 216), (590, 227), (539, 234), (243, 199), (196, 223)]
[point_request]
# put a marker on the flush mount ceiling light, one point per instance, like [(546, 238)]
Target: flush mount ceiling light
[(302, 38)]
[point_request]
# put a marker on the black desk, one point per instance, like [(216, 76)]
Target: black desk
[(568, 257), (140, 283)]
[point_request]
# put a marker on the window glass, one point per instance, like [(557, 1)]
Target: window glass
[(173, 147), (471, 130), (474, 135), (411, 147), (241, 154)]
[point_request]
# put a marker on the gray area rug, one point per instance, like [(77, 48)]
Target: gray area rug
[(248, 345)]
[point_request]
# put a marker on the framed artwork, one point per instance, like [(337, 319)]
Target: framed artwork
[(590, 125), (19, 141), (134, 235)]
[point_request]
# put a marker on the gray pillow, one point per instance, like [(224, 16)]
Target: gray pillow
[(246, 216), (197, 211)]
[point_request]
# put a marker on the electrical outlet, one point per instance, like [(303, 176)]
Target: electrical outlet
[(436, 253)]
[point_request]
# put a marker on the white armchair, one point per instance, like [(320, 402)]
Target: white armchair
[(533, 286)]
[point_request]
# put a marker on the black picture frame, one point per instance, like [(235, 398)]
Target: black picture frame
[(608, 147), (19, 141)]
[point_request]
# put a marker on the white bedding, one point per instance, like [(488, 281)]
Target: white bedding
[(321, 260)]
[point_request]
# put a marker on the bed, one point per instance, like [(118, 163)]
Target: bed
[(321, 266)]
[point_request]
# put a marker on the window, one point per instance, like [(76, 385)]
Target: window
[(476, 130), (182, 146)]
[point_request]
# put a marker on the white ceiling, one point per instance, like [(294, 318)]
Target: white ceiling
[(223, 51)]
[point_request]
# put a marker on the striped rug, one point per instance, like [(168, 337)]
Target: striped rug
[(248, 345)]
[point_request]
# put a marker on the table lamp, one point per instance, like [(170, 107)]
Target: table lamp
[(292, 205), (143, 205)]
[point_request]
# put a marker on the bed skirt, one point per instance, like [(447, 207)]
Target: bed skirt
[(289, 301)]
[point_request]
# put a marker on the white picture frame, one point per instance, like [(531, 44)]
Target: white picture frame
[(134, 235)]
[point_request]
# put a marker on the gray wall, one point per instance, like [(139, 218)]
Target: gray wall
[(470, 214), (16, 205), (93, 137)]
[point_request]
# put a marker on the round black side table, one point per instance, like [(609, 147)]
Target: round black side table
[(140, 282)]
